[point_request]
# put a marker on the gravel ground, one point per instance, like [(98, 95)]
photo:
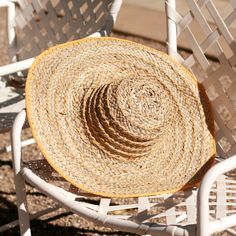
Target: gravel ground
[(60, 222)]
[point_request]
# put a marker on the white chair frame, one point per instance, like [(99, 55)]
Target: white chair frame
[(98, 213)]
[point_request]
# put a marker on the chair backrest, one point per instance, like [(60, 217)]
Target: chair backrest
[(40, 24), (218, 78)]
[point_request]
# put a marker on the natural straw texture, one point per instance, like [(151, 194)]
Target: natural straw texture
[(119, 119)]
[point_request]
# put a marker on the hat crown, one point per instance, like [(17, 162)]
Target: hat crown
[(125, 117), (144, 103)]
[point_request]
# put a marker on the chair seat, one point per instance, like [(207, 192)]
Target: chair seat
[(156, 213)]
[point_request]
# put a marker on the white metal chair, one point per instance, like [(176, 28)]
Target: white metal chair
[(210, 208), (33, 26)]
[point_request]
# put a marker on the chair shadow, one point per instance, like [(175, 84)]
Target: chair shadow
[(8, 212), (6, 121), (13, 100), (5, 163), (40, 227)]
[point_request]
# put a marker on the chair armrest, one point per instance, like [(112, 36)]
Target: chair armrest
[(15, 67), (70, 201), (204, 226)]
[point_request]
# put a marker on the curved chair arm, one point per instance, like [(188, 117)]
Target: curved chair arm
[(70, 201), (206, 227)]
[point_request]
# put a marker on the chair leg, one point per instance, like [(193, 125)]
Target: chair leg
[(23, 212), (20, 186)]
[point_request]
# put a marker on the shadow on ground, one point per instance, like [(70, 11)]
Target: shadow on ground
[(39, 227), (8, 213)]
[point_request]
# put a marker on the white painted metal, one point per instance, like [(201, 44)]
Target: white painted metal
[(106, 220), (19, 180), (11, 15), (222, 224), (23, 144), (115, 8), (15, 67), (4, 3), (69, 200), (171, 30), (95, 35), (205, 227)]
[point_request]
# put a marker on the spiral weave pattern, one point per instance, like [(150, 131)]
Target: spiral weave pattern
[(119, 119)]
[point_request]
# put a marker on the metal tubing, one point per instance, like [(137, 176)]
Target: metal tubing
[(77, 207), (171, 29), (95, 35), (15, 67), (10, 26), (223, 223), (5, 3), (204, 227), (115, 8), (19, 180), (23, 144)]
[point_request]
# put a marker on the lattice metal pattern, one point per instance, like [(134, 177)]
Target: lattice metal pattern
[(219, 79), (179, 208), (43, 23)]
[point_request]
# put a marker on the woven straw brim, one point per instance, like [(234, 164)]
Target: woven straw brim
[(119, 119)]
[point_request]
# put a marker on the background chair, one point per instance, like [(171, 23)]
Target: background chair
[(203, 211), (32, 27)]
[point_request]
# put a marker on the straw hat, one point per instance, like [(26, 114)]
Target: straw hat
[(119, 119)]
